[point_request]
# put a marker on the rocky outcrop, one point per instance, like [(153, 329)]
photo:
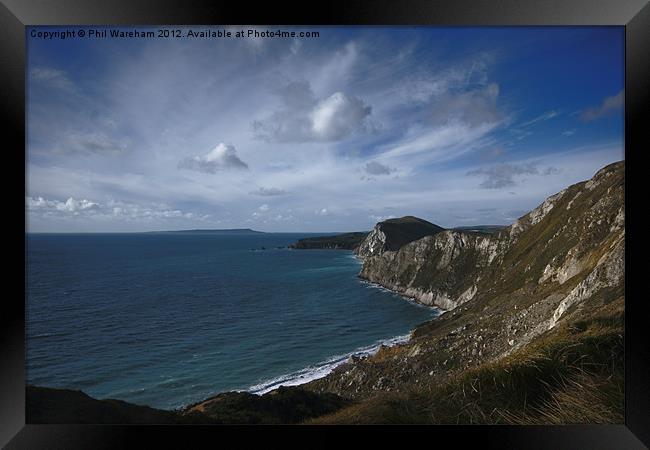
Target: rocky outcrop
[(441, 270), (609, 272), (393, 234)]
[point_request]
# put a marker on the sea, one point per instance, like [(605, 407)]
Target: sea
[(169, 319)]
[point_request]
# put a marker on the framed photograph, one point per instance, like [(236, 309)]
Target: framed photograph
[(412, 217)]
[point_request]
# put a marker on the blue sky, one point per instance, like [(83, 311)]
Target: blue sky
[(459, 126)]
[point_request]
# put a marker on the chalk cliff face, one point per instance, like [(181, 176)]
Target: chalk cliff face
[(442, 270)]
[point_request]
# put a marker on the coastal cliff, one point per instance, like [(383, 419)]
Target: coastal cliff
[(554, 278), (562, 240)]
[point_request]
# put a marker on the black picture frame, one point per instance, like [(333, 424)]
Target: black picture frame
[(634, 15)]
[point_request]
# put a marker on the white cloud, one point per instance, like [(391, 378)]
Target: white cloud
[(303, 118), (54, 206), (337, 116), (111, 209), (219, 158)]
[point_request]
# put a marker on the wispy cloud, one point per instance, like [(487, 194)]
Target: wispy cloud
[(503, 175), (608, 105), (541, 118), (51, 77), (456, 122), (92, 143), (475, 107), (269, 192), (438, 144)]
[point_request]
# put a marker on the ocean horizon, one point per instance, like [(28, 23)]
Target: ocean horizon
[(166, 319)]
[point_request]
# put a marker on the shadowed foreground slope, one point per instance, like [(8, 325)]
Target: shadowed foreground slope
[(281, 406)]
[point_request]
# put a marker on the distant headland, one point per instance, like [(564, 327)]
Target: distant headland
[(208, 231)]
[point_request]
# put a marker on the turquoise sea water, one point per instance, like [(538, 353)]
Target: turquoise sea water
[(166, 319)]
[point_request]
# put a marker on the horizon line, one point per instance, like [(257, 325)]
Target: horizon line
[(241, 229)]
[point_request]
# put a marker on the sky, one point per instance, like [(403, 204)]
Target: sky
[(458, 126)]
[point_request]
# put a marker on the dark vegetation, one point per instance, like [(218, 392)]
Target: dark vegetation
[(47, 405), (403, 230), (285, 405)]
